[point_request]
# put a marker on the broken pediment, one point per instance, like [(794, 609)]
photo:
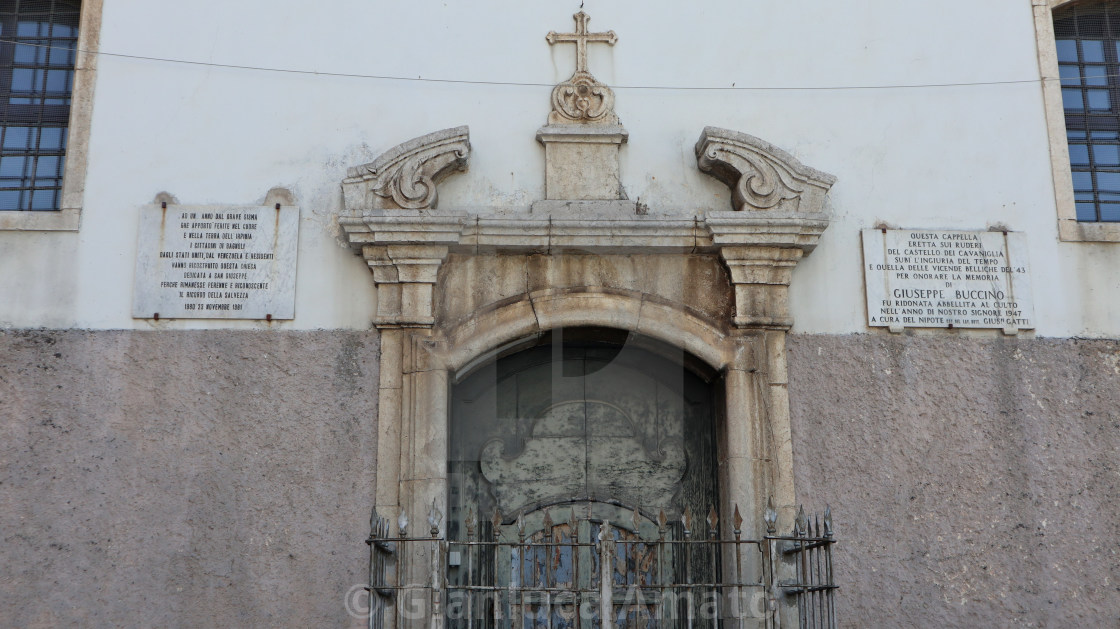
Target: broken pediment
[(762, 177), (406, 176)]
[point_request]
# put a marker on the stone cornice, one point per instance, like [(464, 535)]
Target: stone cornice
[(404, 250), (470, 232)]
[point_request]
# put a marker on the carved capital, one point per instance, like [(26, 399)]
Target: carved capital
[(760, 277), (405, 276), (762, 177), (406, 176)]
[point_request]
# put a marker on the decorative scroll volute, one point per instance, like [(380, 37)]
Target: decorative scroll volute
[(406, 176), (761, 176)]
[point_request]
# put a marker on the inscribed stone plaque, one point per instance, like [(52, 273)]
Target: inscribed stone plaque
[(918, 278), (216, 262)]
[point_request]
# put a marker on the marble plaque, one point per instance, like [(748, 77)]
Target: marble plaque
[(216, 262), (920, 278)]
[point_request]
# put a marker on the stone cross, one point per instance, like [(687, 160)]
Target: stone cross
[(580, 39)]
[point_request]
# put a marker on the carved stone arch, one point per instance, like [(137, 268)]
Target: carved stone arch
[(491, 331)]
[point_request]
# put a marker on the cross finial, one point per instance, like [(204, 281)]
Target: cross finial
[(580, 39)]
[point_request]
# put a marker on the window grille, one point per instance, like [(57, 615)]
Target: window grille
[(38, 44), (1088, 43)]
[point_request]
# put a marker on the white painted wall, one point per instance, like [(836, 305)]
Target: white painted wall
[(931, 158)]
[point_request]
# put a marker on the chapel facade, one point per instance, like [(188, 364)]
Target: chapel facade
[(756, 315)]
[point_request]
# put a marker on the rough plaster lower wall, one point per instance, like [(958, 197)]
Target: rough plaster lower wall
[(975, 483), (184, 479)]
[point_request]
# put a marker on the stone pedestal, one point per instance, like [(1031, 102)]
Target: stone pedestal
[(581, 161)]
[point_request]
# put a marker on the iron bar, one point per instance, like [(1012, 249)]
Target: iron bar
[(738, 611), (470, 568), (605, 576), (522, 550), (713, 551), (576, 573), (817, 572), (548, 574), (497, 532), (687, 519)]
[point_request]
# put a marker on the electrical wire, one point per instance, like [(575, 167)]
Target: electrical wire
[(384, 77)]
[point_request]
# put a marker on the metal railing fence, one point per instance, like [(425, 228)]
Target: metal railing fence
[(586, 571)]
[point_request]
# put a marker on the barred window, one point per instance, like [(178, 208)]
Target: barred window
[(38, 42), (1088, 43)]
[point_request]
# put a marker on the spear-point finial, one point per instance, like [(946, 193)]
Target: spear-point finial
[(738, 521), (547, 520), (686, 519), (497, 522), (713, 520), (373, 520), (402, 523), (435, 516), (470, 523), (827, 521), (573, 522), (661, 519), (800, 523), (521, 526), (771, 517)]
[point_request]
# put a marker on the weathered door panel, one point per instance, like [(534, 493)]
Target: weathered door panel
[(601, 434)]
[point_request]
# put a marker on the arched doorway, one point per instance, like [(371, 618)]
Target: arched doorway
[(587, 435), (455, 283)]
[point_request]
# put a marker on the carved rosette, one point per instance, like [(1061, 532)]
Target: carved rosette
[(582, 100), (406, 176), (761, 176)]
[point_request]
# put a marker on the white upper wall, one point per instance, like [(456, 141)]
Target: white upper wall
[(963, 157)]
